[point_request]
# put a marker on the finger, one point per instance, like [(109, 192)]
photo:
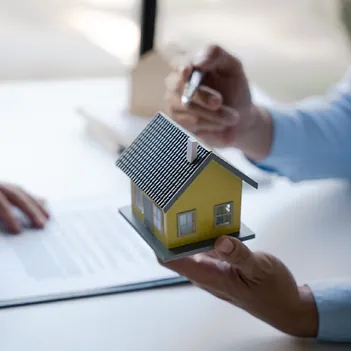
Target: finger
[(42, 205), (206, 103), (196, 125), (216, 58), (186, 72), (206, 57), (173, 100), (207, 98), (199, 269), (207, 273), (214, 139), (7, 215), (217, 294), (204, 126), (212, 254), (185, 120), (222, 138), (237, 254), (224, 116), (21, 200), (175, 82), (212, 274)]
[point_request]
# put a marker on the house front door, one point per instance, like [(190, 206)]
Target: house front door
[(147, 212)]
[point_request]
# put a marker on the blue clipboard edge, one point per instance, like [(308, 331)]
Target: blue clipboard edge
[(148, 285)]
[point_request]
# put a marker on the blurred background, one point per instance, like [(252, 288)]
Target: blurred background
[(291, 49)]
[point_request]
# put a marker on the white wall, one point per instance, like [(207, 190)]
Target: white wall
[(291, 48), (39, 40)]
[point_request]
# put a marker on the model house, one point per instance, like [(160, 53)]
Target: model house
[(183, 195)]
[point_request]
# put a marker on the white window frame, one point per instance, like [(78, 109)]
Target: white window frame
[(221, 212), (138, 199), (189, 226), (157, 218)]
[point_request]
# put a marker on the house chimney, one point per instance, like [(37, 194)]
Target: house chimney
[(191, 153)]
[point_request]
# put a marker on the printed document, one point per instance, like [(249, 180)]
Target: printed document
[(82, 249)]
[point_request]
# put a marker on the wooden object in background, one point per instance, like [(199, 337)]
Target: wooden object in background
[(148, 84)]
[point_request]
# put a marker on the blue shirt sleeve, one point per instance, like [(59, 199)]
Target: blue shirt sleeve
[(333, 300), (312, 139)]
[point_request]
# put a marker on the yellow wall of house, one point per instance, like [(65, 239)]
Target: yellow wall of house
[(134, 207), (215, 185), (161, 236)]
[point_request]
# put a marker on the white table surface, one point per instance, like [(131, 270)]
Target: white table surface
[(43, 147)]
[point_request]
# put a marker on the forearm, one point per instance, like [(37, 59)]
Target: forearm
[(256, 142), (309, 141)]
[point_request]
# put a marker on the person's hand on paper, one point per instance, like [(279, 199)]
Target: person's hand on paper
[(221, 112), (34, 208), (256, 282)]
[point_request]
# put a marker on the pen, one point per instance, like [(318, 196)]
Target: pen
[(194, 83)]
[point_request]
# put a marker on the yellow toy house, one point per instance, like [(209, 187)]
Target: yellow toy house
[(184, 196)]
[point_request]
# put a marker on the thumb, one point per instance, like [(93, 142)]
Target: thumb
[(237, 254)]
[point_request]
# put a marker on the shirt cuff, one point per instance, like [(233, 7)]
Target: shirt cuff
[(333, 301)]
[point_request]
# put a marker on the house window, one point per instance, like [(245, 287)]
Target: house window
[(138, 198), (186, 223), (223, 214), (157, 218)]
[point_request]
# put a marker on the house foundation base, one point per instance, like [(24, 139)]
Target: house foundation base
[(165, 254)]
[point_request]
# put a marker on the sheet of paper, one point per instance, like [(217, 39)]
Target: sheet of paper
[(83, 247)]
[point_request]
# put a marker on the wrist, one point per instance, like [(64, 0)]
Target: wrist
[(256, 140), (305, 320)]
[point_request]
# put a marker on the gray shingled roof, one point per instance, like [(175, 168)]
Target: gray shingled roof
[(156, 162)]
